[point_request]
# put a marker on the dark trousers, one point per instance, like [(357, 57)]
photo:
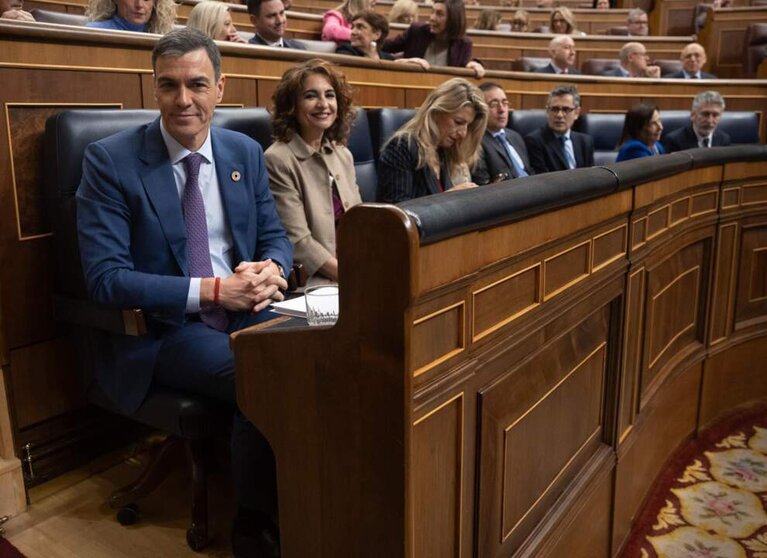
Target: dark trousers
[(198, 359)]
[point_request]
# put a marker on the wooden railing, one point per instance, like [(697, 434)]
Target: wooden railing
[(511, 384)]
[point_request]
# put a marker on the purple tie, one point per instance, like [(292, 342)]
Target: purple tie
[(198, 250)]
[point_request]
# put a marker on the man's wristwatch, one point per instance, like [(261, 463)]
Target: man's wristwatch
[(282, 274)]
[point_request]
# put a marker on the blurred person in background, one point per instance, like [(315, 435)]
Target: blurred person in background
[(215, 20), (143, 16), (440, 42), (403, 11)]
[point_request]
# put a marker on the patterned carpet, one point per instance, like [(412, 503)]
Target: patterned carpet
[(711, 500)]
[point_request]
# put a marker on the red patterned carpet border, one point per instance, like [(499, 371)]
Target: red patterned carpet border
[(711, 499)]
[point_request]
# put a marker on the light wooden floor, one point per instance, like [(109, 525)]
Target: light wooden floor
[(67, 517)]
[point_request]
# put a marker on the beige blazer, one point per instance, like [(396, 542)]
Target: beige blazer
[(299, 178)]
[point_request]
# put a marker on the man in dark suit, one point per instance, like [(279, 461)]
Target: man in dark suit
[(562, 52), (707, 109), (555, 146), (693, 59), (176, 218), (269, 23), (504, 154), (633, 57)]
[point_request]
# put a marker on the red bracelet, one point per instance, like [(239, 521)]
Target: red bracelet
[(216, 289)]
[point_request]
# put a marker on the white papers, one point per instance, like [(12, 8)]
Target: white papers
[(295, 307)]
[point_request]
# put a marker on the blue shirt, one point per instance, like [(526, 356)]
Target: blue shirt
[(117, 23)]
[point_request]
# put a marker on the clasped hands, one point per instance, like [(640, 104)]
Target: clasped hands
[(252, 287)]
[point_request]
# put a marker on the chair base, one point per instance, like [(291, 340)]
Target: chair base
[(165, 456)]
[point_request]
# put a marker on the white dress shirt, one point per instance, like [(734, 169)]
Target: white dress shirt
[(219, 237)]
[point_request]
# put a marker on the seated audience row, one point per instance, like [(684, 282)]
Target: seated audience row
[(132, 15), (14, 9), (440, 42)]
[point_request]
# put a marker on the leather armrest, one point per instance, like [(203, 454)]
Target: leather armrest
[(90, 314)]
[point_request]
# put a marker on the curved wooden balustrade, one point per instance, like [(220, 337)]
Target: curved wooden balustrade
[(513, 365)]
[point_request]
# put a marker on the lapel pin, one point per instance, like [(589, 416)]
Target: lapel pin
[(236, 176)]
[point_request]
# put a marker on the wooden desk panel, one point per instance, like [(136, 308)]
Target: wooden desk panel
[(723, 35), (525, 410)]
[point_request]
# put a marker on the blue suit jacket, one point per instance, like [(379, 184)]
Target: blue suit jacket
[(133, 241), (634, 149)]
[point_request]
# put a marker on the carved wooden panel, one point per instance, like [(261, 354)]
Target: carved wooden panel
[(664, 217), (566, 268), (437, 337), (751, 297), (722, 301), (437, 463), (674, 308), (730, 50), (632, 353), (505, 299), (537, 423)]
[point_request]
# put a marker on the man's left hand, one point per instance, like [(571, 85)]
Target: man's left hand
[(267, 280)]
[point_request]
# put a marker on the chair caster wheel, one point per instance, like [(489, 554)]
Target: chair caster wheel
[(196, 538), (128, 515)]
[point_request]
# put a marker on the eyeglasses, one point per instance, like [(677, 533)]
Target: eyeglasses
[(563, 110), (495, 105)]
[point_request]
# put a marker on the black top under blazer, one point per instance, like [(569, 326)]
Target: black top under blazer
[(399, 179), (547, 155), (685, 138), (495, 161)]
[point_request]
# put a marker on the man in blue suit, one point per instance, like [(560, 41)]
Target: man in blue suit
[(176, 218)]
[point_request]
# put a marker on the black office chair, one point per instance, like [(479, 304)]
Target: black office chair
[(524, 121), (605, 129), (188, 420), (384, 122), (361, 146)]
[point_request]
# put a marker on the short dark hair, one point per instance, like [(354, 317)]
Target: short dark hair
[(254, 6), (563, 90), (376, 21), (456, 18), (637, 118), (181, 41), (488, 85), (285, 97)]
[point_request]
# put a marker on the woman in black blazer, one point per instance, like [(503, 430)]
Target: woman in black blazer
[(434, 151)]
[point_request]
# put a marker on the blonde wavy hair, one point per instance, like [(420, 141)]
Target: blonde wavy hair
[(162, 19), (450, 97), (567, 15), (403, 9), (208, 16), (350, 8)]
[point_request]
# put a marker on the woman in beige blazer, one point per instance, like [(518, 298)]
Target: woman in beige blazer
[(311, 172)]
